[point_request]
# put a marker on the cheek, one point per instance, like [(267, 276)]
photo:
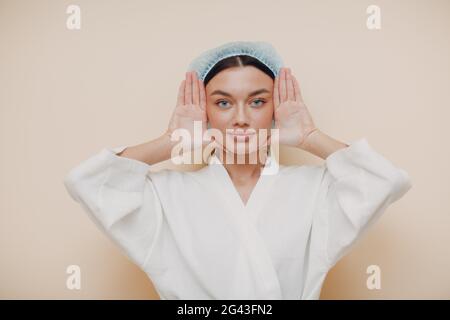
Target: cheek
[(216, 117), (263, 118)]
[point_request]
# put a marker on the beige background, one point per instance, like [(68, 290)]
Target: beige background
[(65, 94)]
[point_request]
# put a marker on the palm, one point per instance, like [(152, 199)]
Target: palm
[(292, 117), (184, 116), (190, 108)]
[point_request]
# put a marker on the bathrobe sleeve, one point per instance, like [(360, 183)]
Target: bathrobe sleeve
[(358, 185), (118, 195)]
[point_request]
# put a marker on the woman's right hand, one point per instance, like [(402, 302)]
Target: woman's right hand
[(191, 106)]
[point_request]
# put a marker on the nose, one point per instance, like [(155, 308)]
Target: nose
[(241, 118)]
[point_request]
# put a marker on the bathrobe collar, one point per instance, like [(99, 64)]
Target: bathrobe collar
[(246, 218)]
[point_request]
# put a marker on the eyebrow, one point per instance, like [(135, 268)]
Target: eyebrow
[(254, 93)]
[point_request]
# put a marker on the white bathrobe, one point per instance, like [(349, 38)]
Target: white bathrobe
[(195, 239)]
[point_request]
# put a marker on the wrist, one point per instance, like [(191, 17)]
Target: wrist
[(166, 143), (321, 144), (308, 142)]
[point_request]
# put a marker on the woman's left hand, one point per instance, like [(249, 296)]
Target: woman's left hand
[(292, 117)]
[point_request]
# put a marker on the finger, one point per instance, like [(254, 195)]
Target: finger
[(188, 89), (282, 88), (180, 98), (298, 94), (290, 86), (195, 89), (276, 95), (202, 94)]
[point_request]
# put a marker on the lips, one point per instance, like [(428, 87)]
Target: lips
[(240, 135), (241, 132)]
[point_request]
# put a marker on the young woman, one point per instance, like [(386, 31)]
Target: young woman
[(232, 230)]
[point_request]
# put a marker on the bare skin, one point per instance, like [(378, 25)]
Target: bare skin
[(227, 104)]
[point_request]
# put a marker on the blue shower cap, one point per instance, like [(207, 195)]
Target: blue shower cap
[(263, 51)]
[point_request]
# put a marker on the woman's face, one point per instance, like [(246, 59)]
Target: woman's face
[(240, 99)]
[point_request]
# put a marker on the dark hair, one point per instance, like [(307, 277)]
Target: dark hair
[(237, 61)]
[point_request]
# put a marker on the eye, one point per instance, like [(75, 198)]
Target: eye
[(261, 102), (219, 103)]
